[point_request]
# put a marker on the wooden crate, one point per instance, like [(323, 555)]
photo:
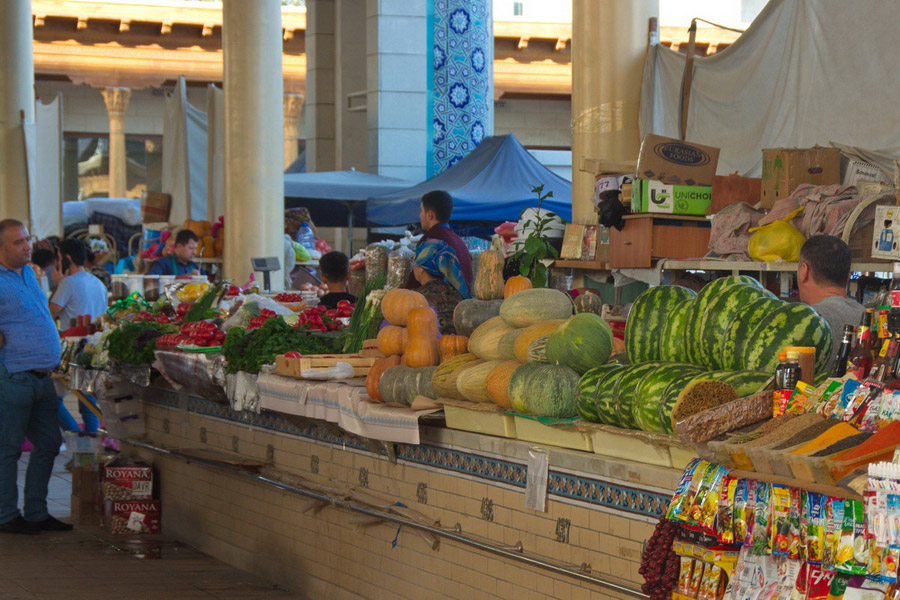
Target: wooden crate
[(292, 367), (646, 237)]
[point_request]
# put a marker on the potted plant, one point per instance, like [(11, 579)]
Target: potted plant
[(529, 259)]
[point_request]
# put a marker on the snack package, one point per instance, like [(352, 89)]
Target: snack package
[(858, 566), (838, 586), (815, 530), (712, 580), (677, 511), (684, 575), (739, 511), (710, 506), (697, 493), (844, 557), (824, 402), (818, 583), (859, 404), (843, 400), (761, 520), (696, 579), (779, 525), (750, 512), (796, 542), (725, 517)]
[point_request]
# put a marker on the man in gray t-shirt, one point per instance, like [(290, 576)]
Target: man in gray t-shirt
[(823, 272), (79, 292)]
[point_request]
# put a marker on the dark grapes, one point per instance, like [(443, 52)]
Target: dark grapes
[(659, 563)]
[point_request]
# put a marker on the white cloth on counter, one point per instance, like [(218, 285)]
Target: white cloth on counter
[(346, 405)]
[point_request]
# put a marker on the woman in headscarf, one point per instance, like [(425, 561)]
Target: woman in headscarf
[(430, 270)]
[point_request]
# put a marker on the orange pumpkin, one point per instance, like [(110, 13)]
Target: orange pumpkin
[(376, 371), (397, 303), (392, 340), (516, 283), (422, 349), (452, 345)]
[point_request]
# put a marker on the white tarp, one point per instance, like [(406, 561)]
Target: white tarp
[(43, 159), (184, 157), (805, 72), (215, 151)]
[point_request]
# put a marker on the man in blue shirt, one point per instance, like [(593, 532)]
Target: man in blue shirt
[(181, 261), (28, 400), (79, 292)]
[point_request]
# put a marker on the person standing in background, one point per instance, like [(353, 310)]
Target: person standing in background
[(334, 267), (28, 400), (441, 296), (79, 292), (823, 273)]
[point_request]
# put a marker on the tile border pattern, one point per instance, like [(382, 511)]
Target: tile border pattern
[(564, 485)]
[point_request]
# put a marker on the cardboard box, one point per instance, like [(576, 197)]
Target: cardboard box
[(676, 162), (885, 240), (84, 483), (82, 511), (733, 189), (129, 517), (127, 482), (657, 197), (155, 207), (783, 169)]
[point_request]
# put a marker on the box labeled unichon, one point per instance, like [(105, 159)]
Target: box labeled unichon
[(676, 162), (131, 482), (125, 517), (658, 197)]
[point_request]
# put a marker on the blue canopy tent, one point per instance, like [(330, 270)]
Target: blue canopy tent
[(318, 192), (493, 183)]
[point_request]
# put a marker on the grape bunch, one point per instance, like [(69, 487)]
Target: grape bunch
[(659, 563)]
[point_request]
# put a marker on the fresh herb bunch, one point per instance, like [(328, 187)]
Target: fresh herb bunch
[(366, 317), (133, 342), (537, 247), (250, 350), (204, 307)]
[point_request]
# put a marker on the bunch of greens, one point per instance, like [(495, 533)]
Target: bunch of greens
[(249, 350), (204, 307), (366, 317), (537, 247), (134, 341)]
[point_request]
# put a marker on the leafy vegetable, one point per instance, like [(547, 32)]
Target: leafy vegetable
[(249, 350), (366, 317), (133, 342), (203, 307), (537, 247)]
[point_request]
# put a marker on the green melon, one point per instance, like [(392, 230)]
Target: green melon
[(588, 387), (646, 318), (698, 309), (720, 311), (518, 388), (528, 307), (537, 350), (584, 341), (549, 390), (649, 391)]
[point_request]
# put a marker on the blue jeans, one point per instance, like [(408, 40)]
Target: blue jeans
[(28, 407)]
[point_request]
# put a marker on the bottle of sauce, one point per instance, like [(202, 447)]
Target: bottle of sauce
[(787, 374), (860, 362), (840, 362)]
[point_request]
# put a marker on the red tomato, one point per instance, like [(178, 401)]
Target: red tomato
[(331, 314), (344, 303), (345, 312), (321, 308), (293, 354)]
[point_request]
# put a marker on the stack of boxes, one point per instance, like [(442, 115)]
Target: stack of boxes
[(128, 504), (673, 177)]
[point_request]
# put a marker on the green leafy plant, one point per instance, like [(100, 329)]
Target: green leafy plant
[(537, 247)]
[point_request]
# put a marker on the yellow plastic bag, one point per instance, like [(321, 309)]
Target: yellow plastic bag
[(777, 240)]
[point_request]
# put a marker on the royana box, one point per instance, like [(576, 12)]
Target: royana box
[(127, 482), (676, 162), (124, 517)]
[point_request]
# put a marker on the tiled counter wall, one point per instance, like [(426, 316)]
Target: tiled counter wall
[(452, 477)]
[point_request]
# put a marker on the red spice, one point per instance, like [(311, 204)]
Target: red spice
[(884, 439)]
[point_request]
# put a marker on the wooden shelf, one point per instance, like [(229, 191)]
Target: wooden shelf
[(829, 490), (586, 265), (763, 267)]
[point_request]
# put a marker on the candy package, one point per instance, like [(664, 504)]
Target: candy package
[(684, 575), (779, 524), (680, 504), (815, 529), (725, 517), (750, 512), (761, 520), (834, 517), (709, 508), (739, 511), (795, 541), (844, 558)]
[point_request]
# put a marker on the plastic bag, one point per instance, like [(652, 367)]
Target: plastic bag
[(777, 240), (341, 370), (399, 266)]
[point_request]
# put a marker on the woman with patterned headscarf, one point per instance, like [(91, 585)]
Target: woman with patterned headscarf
[(431, 269)]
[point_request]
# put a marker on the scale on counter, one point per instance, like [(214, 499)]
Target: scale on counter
[(265, 266)]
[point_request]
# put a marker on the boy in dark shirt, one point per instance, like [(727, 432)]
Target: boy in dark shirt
[(334, 267)]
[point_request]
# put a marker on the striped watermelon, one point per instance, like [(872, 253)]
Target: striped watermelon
[(606, 397), (588, 388), (735, 339), (746, 383), (670, 396), (645, 320), (625, 392), (649, 392), (698, 310), (673, 339), (794, 324), (720, 311)]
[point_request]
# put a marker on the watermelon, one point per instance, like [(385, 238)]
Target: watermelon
[(588, 388), (698, 309), (550, 390), (649, 391), (605, 398), (584, 341), (646, 318), (673, 338), (794, 324), (670, 396), (735, 338), (720, 311), (745, 383), (625, 389)]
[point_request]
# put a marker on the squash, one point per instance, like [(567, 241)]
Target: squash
[(376, 371), (533, 306), (397, 303), (422, 349), (485, 341), (452, 345), (443, 380), (516, 283), (471, 313), (506, 347), (401, 384), (549, 390), (581, 343), (516, 389), (392, 340), (497, 382), (529, 334), (537, 350), (489, 278), (471, 381), (589, 303)]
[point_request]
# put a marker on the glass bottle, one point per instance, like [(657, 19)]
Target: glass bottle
[(861, 357), (840, 362)]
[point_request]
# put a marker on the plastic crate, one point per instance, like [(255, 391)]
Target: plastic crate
[(479, 421)]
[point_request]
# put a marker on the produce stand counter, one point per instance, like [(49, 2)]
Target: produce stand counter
[(462, 496)]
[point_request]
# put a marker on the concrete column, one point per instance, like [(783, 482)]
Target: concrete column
[(116, 99), (293, 105), (16, 97), (254, 183), (320, 86), (609, 45)]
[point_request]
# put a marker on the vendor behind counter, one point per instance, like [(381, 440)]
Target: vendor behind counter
[(442, 296)]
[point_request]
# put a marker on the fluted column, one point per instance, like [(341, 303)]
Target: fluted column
[(254, 177), (16, 100), (293, 105), (116, 99)]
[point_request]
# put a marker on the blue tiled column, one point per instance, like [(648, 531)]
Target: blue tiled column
[(460, 80)]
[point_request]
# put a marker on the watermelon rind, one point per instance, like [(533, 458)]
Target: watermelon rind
[(606, 397), (720, 310), (794, 324), (646, 318), (737, 336), (625, 389), (698, 309), (673, 339), (649, 391), (589, 387)]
